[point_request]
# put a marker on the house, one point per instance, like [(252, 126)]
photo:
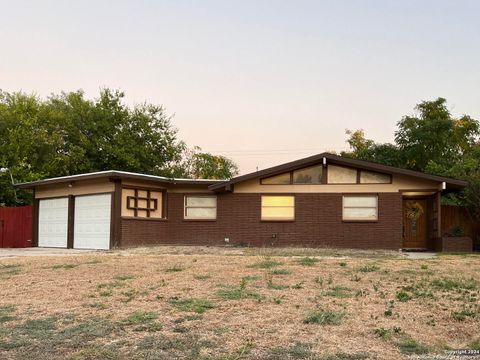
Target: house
[(322, 200)]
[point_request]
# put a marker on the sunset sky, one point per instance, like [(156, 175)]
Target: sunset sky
[(262, 82)]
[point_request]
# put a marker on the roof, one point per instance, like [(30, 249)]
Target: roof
[(115, 174), (336, 159)]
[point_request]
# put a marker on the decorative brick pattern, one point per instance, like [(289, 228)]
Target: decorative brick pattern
[(318, 222)]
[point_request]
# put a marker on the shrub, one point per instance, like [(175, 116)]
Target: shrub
[(271, 285), (308, 261), (348, 356), (298, 350), (475, 345), (238, 294), (6, 313), (457, 231), (281, 271), (298, 286), (105, 293), (139, 317), (386, 334), (110, 285), (123, 278), (196, 305), (402, 296), (410, 346), (129, 295), (277, 286), (324, 317), (452, 284), (202, 277), (175, 268), (369, 268), (383, 333), (355, 278), (64, 266), (9, 270), (338, 292), (265, 264), (251, 277), (462, 315)]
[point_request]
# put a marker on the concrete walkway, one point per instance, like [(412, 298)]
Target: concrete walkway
[(35, 251)]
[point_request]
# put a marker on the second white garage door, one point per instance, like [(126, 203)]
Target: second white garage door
[(92, 222)]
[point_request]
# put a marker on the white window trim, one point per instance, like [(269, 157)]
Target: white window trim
[(262, 218), (359, 207), (185, 207)]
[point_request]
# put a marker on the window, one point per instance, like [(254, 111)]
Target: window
[(370, 177), (341, 175), (360, 207), (310, 175), (282, 179), (278, 207), (200, 207)]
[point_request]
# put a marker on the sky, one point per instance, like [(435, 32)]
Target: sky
[(262, 82)]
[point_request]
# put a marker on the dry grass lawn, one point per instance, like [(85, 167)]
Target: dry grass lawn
[(212, 303)]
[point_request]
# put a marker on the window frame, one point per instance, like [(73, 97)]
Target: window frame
[(185, 207), (357, 175), (360, 171), (291, 174), (262, 219), (360, 207), (324, 178)]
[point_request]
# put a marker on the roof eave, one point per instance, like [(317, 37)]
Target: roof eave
[(458, 184), (113, 174)]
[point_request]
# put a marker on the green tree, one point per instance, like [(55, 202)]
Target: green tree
[(202, 165), (68, 134), (367, 149), (433, 135), (433, 141)]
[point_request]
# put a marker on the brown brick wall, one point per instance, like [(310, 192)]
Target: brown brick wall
[(318, 222), (454, 244)]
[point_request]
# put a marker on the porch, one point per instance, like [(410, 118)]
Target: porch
[(430, 226)]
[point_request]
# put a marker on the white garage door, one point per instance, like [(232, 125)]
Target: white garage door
[(53, 222), (92, 222)]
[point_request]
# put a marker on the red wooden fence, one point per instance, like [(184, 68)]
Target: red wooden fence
[(16, 227)]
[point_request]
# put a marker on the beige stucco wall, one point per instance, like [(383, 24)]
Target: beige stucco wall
[(142, 193), (189, 189), (399, 182), (140, 183), (78, 188), (172, 188)]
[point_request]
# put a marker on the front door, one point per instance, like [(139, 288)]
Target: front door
[(415, 224)]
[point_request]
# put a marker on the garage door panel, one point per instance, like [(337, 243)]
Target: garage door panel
[(92, 222), (53, 222)]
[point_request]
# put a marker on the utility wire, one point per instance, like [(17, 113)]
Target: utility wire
[(265, 152)]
